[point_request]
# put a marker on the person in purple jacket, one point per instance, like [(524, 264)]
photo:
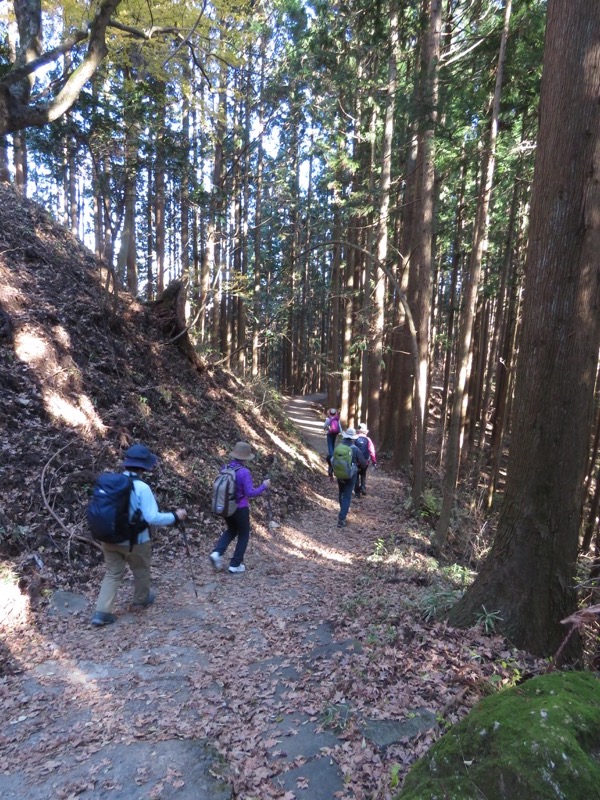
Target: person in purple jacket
[(238, 524)]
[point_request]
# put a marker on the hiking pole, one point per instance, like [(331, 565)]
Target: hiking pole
[(181, 527)]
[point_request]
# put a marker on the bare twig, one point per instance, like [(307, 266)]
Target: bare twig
[(71, 534)]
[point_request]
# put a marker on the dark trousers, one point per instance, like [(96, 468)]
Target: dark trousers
[(361, 480), (345, 489), (331, 437), (238, 524)]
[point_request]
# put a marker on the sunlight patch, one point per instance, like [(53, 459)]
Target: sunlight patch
[(14, 605), (31, 347), (304, 547), (82, 415)]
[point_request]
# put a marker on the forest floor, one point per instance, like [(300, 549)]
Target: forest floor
[(313, 675)]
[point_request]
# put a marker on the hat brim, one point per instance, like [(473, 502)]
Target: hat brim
[(233, 455), (350, 436), (147, 464)]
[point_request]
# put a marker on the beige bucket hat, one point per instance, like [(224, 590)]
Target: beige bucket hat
[(242, 452)]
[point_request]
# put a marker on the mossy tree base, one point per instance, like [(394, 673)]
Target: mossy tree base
[(537, 741)]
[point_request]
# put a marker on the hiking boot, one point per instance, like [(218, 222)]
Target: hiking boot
[(148, 602), (235, 570), (341, 523), (103, 618), (363, 491), (216, 559)]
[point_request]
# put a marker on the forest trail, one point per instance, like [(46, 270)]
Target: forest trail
[(309, 674)]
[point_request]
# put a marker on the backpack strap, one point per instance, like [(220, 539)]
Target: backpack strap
[(137, 520)]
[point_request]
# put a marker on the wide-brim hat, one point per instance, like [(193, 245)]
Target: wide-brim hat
[(242, 452), (332, 411), (350, 433), (139, 456), (362, 428)]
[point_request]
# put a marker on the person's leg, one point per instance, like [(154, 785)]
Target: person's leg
[(346, 488), (228, 535), (357, 483), (331, 437), (242, 521), (139, 561), (363, 485), (114, 556)]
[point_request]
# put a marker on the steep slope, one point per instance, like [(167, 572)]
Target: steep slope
[(82, 378)]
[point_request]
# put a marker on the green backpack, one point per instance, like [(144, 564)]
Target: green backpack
[(343, 468)]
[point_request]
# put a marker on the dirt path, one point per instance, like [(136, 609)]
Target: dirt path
[(309, 675)]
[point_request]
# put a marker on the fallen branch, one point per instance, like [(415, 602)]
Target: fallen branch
[(70, 533)]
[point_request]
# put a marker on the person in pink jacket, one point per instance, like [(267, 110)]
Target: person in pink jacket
[(367, 448)]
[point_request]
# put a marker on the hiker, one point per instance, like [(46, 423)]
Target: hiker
[(138, 460), (332, 426), (238, 524), (367, 448), (347, 459)]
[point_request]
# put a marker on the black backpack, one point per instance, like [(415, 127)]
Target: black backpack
[(224, 500), (108, 510)]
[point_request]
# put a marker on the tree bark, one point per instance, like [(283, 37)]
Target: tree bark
[(465, 354), (430, 69), (17, 111)]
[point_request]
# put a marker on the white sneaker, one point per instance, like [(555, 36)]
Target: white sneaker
[(241, 568), (216, 560)]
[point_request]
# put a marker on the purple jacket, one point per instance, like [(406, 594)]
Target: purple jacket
[(244, 488)]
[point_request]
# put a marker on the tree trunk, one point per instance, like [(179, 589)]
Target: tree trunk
[(429, 97), (374, 409), (466, 329)]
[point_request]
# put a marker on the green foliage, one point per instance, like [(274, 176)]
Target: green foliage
[(435, 604), (488, 620), (431, 505)]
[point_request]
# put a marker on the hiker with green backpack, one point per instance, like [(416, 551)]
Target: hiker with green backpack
[(347, 458)]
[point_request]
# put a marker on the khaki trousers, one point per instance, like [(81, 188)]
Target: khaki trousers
[(117, 556)]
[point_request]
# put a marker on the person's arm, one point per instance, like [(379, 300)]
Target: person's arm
[(149, 507), (372, 454), (244, 481)]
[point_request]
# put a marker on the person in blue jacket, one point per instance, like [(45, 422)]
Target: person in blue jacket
[(138, 460), (238, 524)]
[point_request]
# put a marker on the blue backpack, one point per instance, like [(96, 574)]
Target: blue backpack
[(363, 445), (108, 510)]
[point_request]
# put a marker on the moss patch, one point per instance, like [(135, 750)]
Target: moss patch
[(537, 741)]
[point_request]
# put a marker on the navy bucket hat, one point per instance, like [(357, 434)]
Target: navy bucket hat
[(139, 456)]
